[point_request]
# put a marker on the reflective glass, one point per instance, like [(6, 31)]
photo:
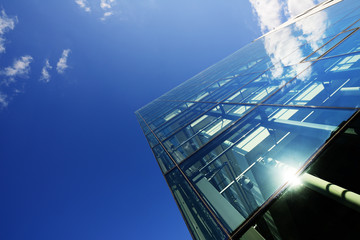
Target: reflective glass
[(243, 167), (331, 43), (143, 126), (156, 109), (241, 128), (266, 84), (331, 82), (229, 87), (351, 44), (162, 158), (174, 122), (197, 216), (194, 135), (169, 113), (355, 25)]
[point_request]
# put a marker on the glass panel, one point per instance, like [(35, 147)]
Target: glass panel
[(201, 223), (169, 113), (235, 83), (244, 166), (351, 44), (331, 82), (151, 139), (163, 158), (193, 136), (143, 126), (194, 111), (266, 84), (303, 211), (328, 45), (156, 109)]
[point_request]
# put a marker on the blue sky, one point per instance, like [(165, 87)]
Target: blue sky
[(74, 163)]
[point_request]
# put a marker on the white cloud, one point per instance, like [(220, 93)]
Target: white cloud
[(269, 13), (21, 67), (296, 7), (61, 65), (45, 75), (3, 100), (106, 15), (83, 4), (6, 24), (106, 4)]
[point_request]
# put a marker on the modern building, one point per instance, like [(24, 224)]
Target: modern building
[(265, 144)]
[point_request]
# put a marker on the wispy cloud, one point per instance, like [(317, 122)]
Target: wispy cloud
[(269, 13), (21, 67), (106, 15), (45, 75), (296, 7), (61, 65), (272, 13), (4, 102), (6, 24), (84, 5), (107, 6)]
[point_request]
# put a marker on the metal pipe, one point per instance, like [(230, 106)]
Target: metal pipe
[(341, 195)]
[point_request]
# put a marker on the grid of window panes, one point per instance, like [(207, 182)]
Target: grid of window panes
[(228, 139)]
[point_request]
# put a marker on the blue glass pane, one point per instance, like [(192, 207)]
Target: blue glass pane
[(175, 120), (266, 84), (171, 111), (351, 44), (162, 158), (356, 24), (156, 109), (143, 126), (330, 82), (331, 43), (194, 135), (245, 165), (197, 216), (229, 87)]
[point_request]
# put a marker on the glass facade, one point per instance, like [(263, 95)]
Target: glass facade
[(230, 140)]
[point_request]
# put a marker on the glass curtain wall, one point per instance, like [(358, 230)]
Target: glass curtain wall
[(230, 139)]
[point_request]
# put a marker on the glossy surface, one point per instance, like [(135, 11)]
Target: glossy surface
[(234, 134)]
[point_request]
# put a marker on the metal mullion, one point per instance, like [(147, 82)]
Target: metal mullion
[(331, 39), (199, 116), (263, 208), (335, 56), (197, 133), (189, 101), (235, 122), (206, 112), (177, 204), (283, 86), (341, 41), (176, 117), (192, 187), (228, 148), (261, 73), (207, 86), (166, 112), (347, 29), (218, 135), (309, 106)]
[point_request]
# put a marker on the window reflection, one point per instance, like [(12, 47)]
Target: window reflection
[(200, 221), (334, 82), (245, 167), (190, 138)]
